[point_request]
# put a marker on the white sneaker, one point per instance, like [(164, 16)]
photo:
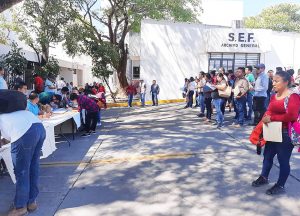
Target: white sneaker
[(99, 124)]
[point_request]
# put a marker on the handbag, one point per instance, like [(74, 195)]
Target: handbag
[(100, 104), (225, 93), (294, 127)]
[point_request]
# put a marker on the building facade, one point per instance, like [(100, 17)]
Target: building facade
[(171, 52)]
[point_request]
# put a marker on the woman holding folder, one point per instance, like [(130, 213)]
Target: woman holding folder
[(279, 112)]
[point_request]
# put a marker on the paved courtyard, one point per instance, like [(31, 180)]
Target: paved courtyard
[(158, 161)]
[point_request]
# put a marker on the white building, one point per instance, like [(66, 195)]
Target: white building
[(170, 52), (76, 70)]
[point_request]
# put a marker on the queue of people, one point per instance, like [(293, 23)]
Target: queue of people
[(259, 98)]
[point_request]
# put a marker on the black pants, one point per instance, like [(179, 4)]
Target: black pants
[(191, 99), (207, 102), (91, 121), (259, 108)]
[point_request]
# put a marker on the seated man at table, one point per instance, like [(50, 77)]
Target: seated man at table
[(32, 106), (26, 134), (91, 107)]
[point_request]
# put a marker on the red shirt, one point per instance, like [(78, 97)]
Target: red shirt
[(101, 89), (131, 89), (87, 103), (39, 83), (278, 112)]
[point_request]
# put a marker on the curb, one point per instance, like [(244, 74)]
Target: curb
[(111, 105)]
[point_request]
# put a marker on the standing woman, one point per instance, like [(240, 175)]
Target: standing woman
[(277, 112), (207, 97), (186, 92), (219, 101), (191, 91)]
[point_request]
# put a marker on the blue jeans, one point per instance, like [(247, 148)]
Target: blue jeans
[(26, 160), (154, 99), (99, 117), (130, 98), (240, 104), (218, 103), (283, 151), (143, 95), (201, 102), (249, 111)]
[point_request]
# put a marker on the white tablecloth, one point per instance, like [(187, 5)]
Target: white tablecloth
[(49, 143)]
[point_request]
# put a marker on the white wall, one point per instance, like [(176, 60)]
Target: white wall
[(285, 51), (170, 53)]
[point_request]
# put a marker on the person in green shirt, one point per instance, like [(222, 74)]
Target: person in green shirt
[(250, 77)]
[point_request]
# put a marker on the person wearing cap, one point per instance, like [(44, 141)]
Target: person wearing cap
[(260, 93)]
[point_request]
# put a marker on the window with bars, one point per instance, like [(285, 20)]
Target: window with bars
[(231, 61)]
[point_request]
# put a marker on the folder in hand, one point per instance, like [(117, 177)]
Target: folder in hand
[(273, 132)]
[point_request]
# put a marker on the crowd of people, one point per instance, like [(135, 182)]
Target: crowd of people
[(247, 92), (141, 88), (21, 125), (258, 97), (49, 95)]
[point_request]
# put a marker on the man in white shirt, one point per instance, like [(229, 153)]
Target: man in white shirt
[(26, 134), (50, 86), (143, 89), (3, 84), (191, 92), (60, 84)]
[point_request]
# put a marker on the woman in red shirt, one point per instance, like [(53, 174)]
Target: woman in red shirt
[(277, 112)]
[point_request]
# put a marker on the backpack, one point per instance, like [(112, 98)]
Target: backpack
[(294, 127), (11, 101)]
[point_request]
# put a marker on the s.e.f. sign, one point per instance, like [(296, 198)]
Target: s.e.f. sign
[(241, 40)]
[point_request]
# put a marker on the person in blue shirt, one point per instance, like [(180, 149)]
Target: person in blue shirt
[(32, 104), (260, 93)]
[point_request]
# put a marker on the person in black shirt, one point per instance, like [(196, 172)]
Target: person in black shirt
[(270, 88)]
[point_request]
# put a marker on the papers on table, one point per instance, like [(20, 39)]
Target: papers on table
[(273, 132), (60, 111)]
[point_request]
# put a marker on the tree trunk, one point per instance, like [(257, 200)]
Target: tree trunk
[(121, 71), (111, 92), (6, 4), (45, 53)]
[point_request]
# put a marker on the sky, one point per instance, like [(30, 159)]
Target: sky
[(254, 7)]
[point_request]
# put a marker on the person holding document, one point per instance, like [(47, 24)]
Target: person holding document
[(279, 112)]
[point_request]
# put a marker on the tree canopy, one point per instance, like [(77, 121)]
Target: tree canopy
[(282, 17), (111, 23)]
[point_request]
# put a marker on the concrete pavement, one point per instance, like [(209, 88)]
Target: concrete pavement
[(158, 161)]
